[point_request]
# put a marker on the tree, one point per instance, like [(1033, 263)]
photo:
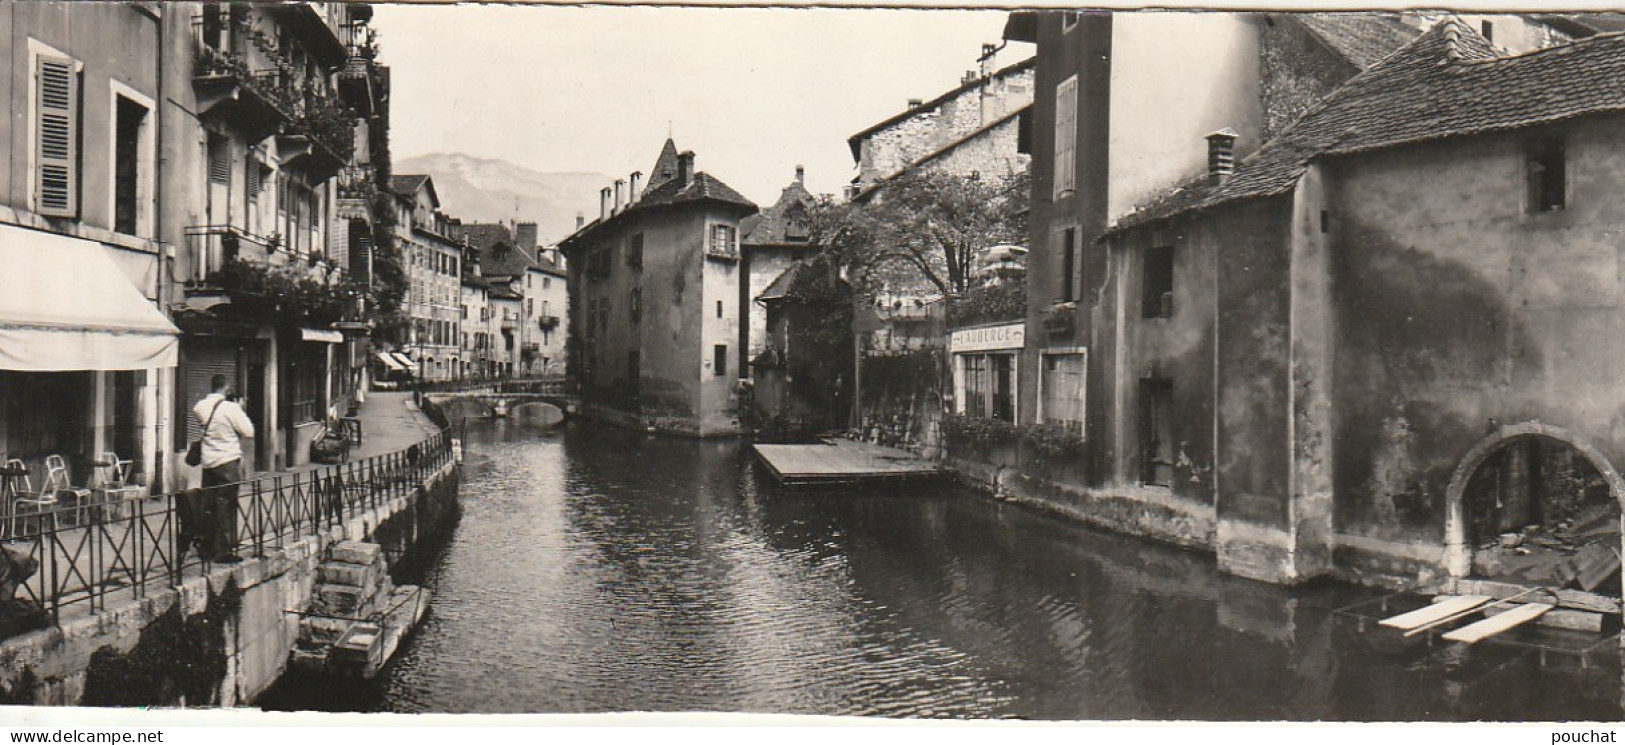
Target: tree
[(923, 227)]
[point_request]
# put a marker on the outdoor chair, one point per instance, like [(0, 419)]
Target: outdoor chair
[(24, 500), (114, 486), (57, 484)]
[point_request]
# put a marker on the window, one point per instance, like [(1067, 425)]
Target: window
[(724, 241), (634, 369), (220, 163), (1066, 136), (1024, 131), (1548, 177), (1156, 432), (1487, 29), (719, 360), (1157, 288), (131, 117), (719, 309), (1068, 249), (547, 283), (1062, 390), (989, 382), (56, 111), (634, 252), (1069, 20), (635, 304)]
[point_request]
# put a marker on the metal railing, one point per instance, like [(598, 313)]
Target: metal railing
[(213, 246), (543, 385), (147, 547)]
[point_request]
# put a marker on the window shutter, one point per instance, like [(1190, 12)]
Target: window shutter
[(253, 175), (1066, 136), (56, 177), (219, 160)]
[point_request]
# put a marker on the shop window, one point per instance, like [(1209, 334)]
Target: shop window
[(1062, 390), (989, 385), (1157, 288), (1547, 168), (1156, 432)]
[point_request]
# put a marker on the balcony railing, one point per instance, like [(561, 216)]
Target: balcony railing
[(357, 182), (211, 247), (547, 322)]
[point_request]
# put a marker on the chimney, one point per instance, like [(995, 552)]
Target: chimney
[(581, 221), (632, 188), (620, 182), (913, 102), (603, 203), (801, 175), (524, 235), (685, 167), (1221, 156), (989, 53)]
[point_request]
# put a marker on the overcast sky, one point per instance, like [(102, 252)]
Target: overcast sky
[(752, 91)]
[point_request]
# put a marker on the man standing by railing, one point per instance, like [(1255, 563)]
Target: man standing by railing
[(224, 426)]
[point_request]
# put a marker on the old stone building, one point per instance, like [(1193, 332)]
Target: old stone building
[(433, 255), (1304, 365), (655, 315), (976, 127), (774, 240)]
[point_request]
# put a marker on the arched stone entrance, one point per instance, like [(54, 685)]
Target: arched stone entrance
[(1458, 551)]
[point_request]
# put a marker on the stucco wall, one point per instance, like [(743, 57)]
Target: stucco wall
[(1458, 310), (1296, 72)]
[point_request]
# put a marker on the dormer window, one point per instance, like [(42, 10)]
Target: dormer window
[(1546, 167)]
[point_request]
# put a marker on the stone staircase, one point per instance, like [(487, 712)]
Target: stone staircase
[(356, 617)]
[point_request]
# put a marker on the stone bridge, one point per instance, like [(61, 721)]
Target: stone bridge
[(467, 404)]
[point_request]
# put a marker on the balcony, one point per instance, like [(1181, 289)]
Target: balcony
[(357, 77), (256, 103), (210, 248), (510, 323), (316, 26), (547, 323), (320, 138)]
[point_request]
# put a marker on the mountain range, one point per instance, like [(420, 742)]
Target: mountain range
[(488, 190)]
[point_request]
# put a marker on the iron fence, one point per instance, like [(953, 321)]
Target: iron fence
[(87, 554)]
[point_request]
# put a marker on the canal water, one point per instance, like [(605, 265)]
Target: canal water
[(600, 570)]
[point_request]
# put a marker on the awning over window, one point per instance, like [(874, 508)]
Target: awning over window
[(64, 305), (389, 360), (406, 361), (321, 336)]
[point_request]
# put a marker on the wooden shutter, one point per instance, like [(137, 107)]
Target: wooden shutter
[(219, 159), (56, 183), (1066, 136)]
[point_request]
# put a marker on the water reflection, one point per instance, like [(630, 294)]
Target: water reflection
[(602, 570)]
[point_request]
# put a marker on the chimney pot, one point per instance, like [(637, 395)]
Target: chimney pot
[(618, 184), (801, 174), (685, 167), (913, 102), (1221, 155), (603, 203), (581, 221), (632, 193)]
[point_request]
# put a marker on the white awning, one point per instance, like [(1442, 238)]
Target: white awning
[(388, 360), (406, 361), (66, 306), (321, 335)]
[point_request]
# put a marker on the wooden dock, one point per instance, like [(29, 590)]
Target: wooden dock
[(842, 462)]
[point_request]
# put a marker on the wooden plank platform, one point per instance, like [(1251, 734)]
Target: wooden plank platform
[(1497, 624), (1435, 612), (842, 461)]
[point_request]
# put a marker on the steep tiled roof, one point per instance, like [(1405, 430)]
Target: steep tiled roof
[(780, 286), (1360, 38), (702, 187), (769, 227), (665, 166), (855, 142), (484, 235), (1447, 83), (408, 185), (503, 259)]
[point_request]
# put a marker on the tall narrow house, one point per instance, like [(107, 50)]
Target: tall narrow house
[(656, 315)]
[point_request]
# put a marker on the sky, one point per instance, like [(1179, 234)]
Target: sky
[(753, 92)]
